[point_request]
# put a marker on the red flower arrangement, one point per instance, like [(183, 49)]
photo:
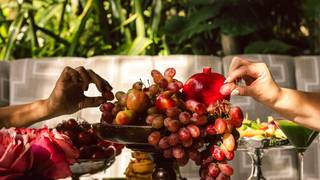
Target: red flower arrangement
[(27, 153)]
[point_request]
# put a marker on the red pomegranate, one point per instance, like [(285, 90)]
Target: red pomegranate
[(204, 87)]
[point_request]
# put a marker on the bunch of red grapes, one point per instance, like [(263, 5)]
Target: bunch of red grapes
[(86, 140), (184, 128)]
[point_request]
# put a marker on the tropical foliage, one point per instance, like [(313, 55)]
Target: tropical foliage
[(38, 28)]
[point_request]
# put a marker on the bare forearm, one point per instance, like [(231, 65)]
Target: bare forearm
[(24, 115), (298, 106)]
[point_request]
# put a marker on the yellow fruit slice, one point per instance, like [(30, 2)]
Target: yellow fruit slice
[(251, 132), (143, 167), (140, 155)]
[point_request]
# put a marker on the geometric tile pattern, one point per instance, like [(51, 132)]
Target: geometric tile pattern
[(4, 83), (308, 73), (308, 79), (32, 79)]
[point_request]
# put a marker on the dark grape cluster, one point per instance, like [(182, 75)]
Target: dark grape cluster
[(85, 139), (184, 129)]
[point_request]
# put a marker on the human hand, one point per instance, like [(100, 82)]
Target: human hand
[(68, 95), (259, 82)]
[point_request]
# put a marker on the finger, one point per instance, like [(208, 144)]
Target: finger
[(241, 91), (65, 76), (70, 74), (247, 70), (100, 83), (84, 77), (226, 89), (237, 62), (91, 102), (108, 95), (234, 90)]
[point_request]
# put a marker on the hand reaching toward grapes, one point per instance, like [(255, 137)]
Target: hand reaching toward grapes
[(301, 107), (68, 94), (67, 97)]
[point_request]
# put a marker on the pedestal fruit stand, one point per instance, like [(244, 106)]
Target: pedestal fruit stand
[(175, 122)]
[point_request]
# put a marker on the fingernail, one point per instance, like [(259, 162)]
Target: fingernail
[(226, 81), (235, 92)]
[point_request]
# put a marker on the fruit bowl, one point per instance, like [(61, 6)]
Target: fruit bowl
[(134, 137), (90, 166), (123, 134)]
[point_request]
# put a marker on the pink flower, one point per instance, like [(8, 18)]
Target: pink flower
[(27, 153)]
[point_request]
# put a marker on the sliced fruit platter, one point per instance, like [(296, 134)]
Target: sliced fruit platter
[(191, 120), (261, 134)]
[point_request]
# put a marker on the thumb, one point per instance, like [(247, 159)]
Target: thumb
[(92, 102)]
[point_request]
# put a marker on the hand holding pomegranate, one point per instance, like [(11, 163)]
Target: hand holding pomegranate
[(261, 86), (259, 82)]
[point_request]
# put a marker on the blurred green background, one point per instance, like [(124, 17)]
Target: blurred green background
[(45, 28)]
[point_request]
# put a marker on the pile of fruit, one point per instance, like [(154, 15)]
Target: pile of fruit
[(260, 130), (140, 167), (86, 140), (191, 121)]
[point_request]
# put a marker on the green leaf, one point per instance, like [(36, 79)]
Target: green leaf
[(203, 14), (140, 29), (175, 25), (118, 13), (138, 46), (195, 23), (12, 36), (268, 47), (126, 22), (190, 32), (238, 20), (235, 27), (81, 25), (44, 16), (62, 14), (311, 8), (15, 5), (156, 17), (101, 13), (54, 36), (180, 25)]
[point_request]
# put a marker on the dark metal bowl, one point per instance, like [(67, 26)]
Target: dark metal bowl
[(124, 134), (90, 166)]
